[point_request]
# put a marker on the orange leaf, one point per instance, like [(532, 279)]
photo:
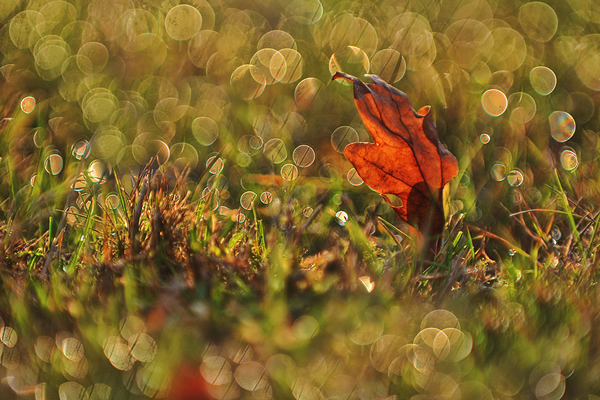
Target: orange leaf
[(407, 159)]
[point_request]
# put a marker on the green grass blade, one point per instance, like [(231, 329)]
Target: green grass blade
[(570, 218), (121, 195)]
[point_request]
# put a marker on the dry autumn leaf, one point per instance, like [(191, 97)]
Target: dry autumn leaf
[(407, 159)]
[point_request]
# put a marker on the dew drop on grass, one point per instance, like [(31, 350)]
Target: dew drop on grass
[(440, 319), (509, 49), (341, 217), (463, 347), (393, 200), (217, 182), (353, 178), (143, 347), (99, 105), (523, 107), (217, 165), (28, 104), (281, 365), (244, 84), (307, 92), (40, 137), (569, 160), (184, 155), (266, 197), (209, 194), (71, 391), (294, 63), (550, 386), (494, 102), (512, 252), (289, 172), (53, 164), (98, 171), (145, 148), (112, 201), (129, 382), (238, 351), (555, 233), (562, 126), (389, 65), (98, 391), (426, 337), (328, 172), (43, 347), (251, 376), (243, 160), (265, 392), (484, 138), (247, 200), (337, 198), (50, 56), (276, 39), (205, 130), (216, 370), (152, 381), (481, 73), (441, 345), (22, 28), (305, 12), (275, 151), (117, 352), (456, 206), (515, 178), (268, 66), (342, 137), (131, 325), (92, 57), (255, 142), (80, 183), (455, 338), (202, 46), (468, 40), (303, 156), (543, 80), (538, 20), (8, 336), (384, 350), (10, 358), (72, 349), (80, 149), (72, 215), (302, 389), (350, 60), (498, 172), (183, 22)]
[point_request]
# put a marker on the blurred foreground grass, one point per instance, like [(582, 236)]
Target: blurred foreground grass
[(177, 219)]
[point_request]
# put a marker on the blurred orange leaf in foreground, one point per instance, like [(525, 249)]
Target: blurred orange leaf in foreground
[(188, 384)]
